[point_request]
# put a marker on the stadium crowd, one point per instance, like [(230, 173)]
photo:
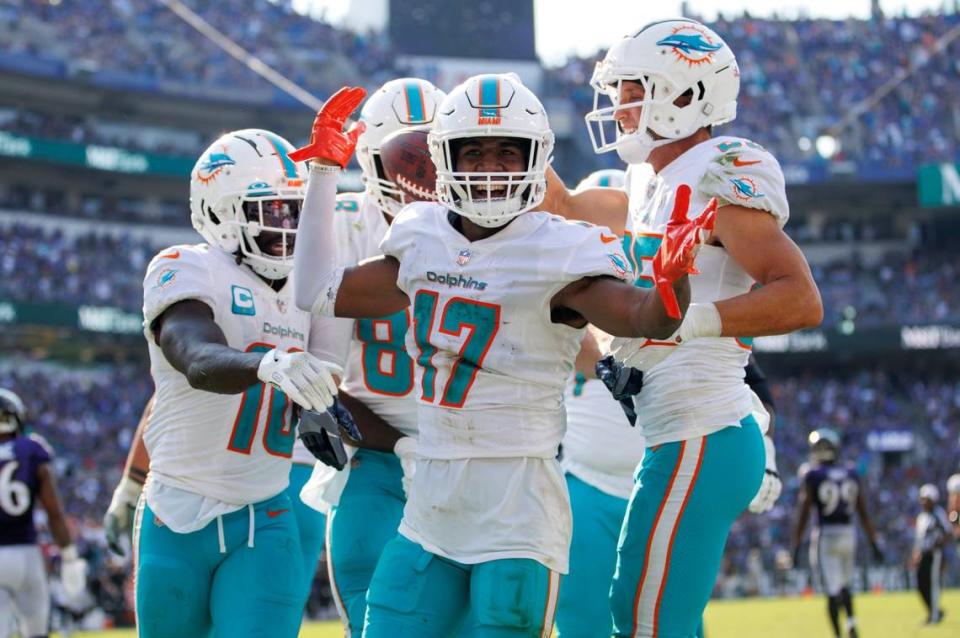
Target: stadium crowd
[(797, 75), (50, 266)]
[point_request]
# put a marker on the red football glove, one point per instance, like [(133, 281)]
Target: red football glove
[(328, 141), (682, 239)]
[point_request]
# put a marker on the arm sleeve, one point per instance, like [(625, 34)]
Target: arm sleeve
[(747, 175), (174, 275), (315, 259), (330, 339)]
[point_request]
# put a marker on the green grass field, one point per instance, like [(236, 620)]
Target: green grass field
[(896, 615)]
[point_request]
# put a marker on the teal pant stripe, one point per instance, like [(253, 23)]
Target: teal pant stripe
[(583, 609), (687, 496), (310, 523), (185, 587), (416, 594), (366, 519)]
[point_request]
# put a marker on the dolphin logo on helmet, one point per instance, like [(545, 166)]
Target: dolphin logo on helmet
[(693, 48)]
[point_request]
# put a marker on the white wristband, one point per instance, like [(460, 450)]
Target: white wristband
[(317, 167), (69, 553), (701, 320)]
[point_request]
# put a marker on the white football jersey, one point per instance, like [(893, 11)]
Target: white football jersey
[(600, 447), (379, 371), (699, 389), (491, 369), (230, 449)]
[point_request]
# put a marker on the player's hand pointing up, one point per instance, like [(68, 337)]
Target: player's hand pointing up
[(329, 144)]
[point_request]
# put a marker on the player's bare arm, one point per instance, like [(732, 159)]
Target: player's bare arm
[(867, 523), (73, 570), (803, 515), (118, 519), (620, 309), (50, 499), (788, 298), (195, 345), (600, 206)]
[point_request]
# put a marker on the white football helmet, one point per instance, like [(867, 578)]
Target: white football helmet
[(667, 58), (398, 104), (491, 106), (606, 178), (13, 414), (245, 187)]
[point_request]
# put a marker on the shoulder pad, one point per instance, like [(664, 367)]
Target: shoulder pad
[(743, 173)]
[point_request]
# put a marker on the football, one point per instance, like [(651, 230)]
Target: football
[(406, 162)]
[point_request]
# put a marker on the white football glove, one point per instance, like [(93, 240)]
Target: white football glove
[(73, 572), (771, 486), (307, 380), (406, 449), (118, 520)]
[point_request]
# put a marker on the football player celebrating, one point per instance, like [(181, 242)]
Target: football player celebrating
[(834, 490), (669, 84), (499, 298), (25, 477), (378, 380), (214, 537)]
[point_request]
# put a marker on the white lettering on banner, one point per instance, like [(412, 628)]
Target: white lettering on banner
[(14, 146), (808, 341), (8, 312), (929, 337), (115, 159), (106, 319), (950, 183)]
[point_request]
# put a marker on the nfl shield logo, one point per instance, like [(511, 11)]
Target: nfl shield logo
[(463, 257), (282, 306)]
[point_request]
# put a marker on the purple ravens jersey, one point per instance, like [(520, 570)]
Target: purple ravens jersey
[(834, 490), (20, 458)]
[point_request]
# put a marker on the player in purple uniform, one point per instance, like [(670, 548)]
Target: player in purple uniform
[(25, 476), (834, 490)]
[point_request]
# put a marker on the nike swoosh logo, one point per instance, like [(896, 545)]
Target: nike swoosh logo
[(608, 238), (276, 513), (739, 162), (174, 255)]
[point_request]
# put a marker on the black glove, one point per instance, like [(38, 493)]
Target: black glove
[(623, 383), (877, 553), (320, 433), (795, 556)]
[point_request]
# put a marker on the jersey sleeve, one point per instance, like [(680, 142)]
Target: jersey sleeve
[(330, 339), (401, 239), (744, 174), (42, 450), (595, 252), (176, 274)]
